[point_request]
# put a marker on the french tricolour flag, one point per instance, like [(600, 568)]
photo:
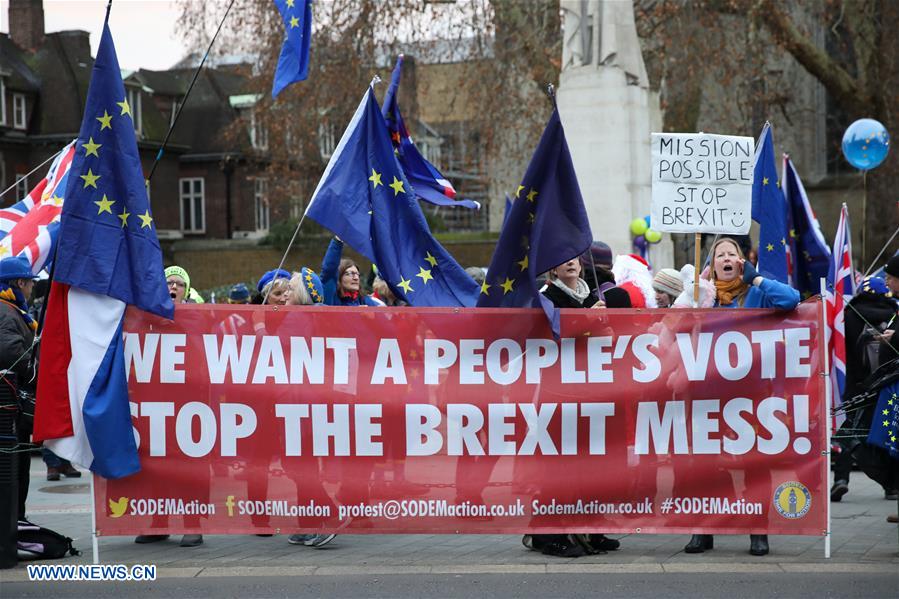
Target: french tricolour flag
[(108, 258)]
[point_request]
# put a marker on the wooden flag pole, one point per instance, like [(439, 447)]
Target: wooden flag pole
[(697, 255)]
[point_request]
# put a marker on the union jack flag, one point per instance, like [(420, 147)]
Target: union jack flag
[(29, 228), (840, 289)]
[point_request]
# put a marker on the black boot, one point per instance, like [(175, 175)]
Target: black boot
[(700, 543), (758, 544)]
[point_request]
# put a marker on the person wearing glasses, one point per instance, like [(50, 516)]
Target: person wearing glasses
[(341, 279)]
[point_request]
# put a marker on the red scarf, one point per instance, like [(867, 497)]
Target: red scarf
[(353, 295)]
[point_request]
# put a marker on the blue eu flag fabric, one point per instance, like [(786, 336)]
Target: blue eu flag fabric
[(769, 210), (107, 241), (885, 424), (293, 64), (546, 226), (364, 197), (809, 252), (427, 182)]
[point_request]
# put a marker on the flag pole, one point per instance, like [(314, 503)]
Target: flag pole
[(95, 541), (882, 250), (828, 392), (697, 255), (168, 134)]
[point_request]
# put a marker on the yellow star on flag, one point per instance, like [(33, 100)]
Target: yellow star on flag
[(55, 200), (105, 121), (145, 219), (518, 191), (764, 180), (294, 22), (125, 108), (523, 263), (397, 187), (531, 195), (770, 247), (424, 274), (289, 3), (90, 179), (886, 412), (507, 285), (886, 422), (124, 216), (783, 242), (3, 250), (91, 148), (105, 205), (405, 285), (430, 259), (485, 288), (375, 178)]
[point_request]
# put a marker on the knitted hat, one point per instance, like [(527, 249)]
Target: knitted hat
[(271, 276), (892, 267), (15, 267), (179, 272), (239, 294), (601, 254), (668, 281), (313, 285), (875, 285)]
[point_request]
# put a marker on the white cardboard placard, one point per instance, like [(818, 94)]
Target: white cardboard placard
[(702, 183)]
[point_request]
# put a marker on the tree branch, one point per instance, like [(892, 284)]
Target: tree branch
[(842, 86)]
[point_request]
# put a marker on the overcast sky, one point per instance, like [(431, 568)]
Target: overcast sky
[(143, 30)]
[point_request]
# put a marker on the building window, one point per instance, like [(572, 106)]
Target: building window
[(21, 186), (263, 211), (19, 111), (258, 133), (193, 205), (133, 95), (327, 139), (176, 105), (2, 101)]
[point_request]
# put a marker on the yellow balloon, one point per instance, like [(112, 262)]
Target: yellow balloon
[(638, 226), (652, 236)]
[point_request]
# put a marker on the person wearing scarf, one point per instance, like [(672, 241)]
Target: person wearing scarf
[(17, 329), (566, 289), (739, 285), (341, 279)]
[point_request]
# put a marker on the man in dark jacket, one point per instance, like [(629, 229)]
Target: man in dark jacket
[(17, 329), (867, 316)]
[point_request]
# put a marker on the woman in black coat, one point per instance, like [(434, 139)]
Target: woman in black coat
[(566, 289)]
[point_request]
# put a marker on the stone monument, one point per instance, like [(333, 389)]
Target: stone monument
[(608, 112)]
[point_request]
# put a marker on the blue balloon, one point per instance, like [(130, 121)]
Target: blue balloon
[(648, 221), (865, 144)]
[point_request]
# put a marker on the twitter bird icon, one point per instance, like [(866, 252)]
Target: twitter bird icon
[(117, 508)]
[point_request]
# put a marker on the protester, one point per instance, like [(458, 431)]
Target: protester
[(632, 274), (866, 317), (566, 289), (596, 267), (178, 282), (381, 291), (341, 279), (306, 288), (57, 466), (17, 329), (737, 284), (667, 285), (274, 288), (239, 294)]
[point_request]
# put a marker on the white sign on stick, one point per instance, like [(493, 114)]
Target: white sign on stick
[(702, 183)]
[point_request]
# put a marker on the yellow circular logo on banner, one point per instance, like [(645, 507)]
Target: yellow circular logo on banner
[(792, 500)]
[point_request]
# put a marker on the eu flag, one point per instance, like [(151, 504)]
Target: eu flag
[(108, 243), (885, 423), (108, 258), (293, 64), (364, 197), (546, 226), (769, 210), (809, 252), (427, 182)]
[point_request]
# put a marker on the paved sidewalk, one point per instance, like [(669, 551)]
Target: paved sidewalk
[(862, 542)]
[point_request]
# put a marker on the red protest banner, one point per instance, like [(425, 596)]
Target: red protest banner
[(305, 419)]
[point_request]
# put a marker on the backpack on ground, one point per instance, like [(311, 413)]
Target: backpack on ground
[(43, 543)]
